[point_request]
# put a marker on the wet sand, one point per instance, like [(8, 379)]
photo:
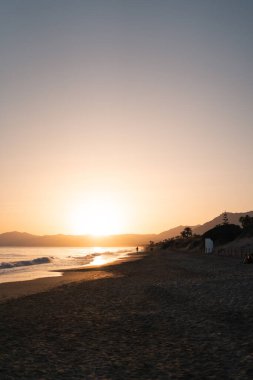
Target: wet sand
[(167, 316), (11, 290)]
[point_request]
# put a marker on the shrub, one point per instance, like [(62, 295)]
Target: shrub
[(224, 233)]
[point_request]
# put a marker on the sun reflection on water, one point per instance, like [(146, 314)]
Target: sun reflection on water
[(99, 260)]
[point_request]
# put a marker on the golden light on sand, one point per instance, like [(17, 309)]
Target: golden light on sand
[(99, 217)]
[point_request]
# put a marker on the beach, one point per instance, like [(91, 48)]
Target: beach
[(169, 315)]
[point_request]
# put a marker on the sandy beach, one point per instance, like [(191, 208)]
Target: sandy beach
[(166, 316)]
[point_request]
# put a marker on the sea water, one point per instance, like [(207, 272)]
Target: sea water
[(22, 263)]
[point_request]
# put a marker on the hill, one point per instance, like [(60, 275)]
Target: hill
[(233, 218), (172, 232), (200, 229)]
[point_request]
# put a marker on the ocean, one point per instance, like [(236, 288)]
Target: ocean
[(22, 263)]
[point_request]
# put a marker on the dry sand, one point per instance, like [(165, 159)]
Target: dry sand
[(167, 316)]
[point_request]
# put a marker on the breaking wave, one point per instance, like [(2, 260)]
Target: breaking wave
[(14, 264)]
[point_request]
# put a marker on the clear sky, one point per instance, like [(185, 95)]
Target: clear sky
[(124, 115)]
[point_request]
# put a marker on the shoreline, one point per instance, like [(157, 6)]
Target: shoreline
[(16, 289)]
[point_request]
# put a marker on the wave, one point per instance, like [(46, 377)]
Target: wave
[(24, 263)]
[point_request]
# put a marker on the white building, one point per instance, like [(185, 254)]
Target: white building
[(208, 246)]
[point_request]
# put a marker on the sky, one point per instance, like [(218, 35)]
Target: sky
[(123, 116)]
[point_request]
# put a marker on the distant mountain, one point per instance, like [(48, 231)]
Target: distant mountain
[(23, 239), (15, 238)]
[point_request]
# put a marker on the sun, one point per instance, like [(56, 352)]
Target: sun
[(98, 217)]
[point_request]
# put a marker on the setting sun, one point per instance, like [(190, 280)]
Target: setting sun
[(96, 217)]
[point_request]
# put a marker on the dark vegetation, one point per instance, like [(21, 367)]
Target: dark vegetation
[(220, 234), (224, 233)]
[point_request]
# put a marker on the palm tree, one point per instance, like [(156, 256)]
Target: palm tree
[(186, 233), (246, 221)]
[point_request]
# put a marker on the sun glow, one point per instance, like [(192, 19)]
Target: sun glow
[(97, 217)]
